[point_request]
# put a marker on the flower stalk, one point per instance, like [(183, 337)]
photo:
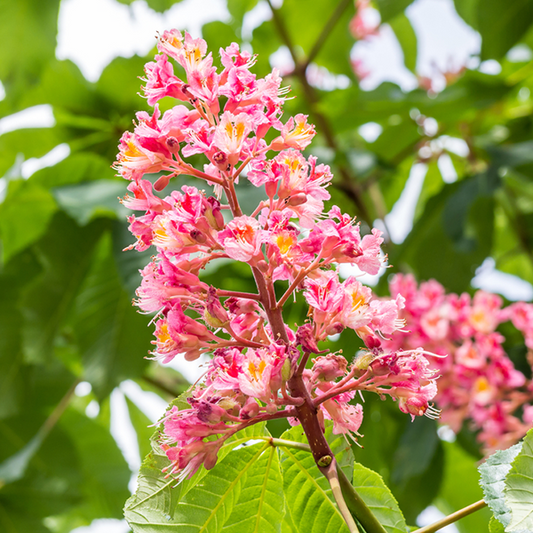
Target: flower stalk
[(260, 367)]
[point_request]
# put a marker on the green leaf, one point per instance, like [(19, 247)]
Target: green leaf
[(28, 143), (157, 496), (378, 498), (91, 200), (218, 35), (406, 36), (334, 53), (63, 86), (415, 450), (493, 473), (51, 483), (24, 216), (83, 166), (467, 10), (143, 427), (519, 487), (209, 504), (104, 469), (417, 467), (237, 10), (456, 229), (113, 337), (308, 493), (495, 526), (391, 8), (65, 253), (28, 27), (119, 85), (156, 5), (128, 262), (260, 507), (502, 24)]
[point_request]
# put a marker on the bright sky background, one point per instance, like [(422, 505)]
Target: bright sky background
[(93, 32)]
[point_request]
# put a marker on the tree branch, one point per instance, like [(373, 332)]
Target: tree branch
[(328, 28), (349, 184)]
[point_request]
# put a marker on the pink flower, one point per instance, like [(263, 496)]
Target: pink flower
[(161, 82), (231, 133), (296, 133), (242, 239)]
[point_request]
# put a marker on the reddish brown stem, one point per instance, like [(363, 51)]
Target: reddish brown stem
[(237, 294)]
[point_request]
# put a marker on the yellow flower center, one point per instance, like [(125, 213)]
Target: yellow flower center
[(284, 241), (256, 372)]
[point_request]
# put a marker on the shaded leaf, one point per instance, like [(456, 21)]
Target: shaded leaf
[(20, 20), (14, 467), (467, 10), (24, 216), (456, 229), (91, 200), (218, 35), (415, 450), (78, 167), (26, 143), (417, 467), (502, 24), (237, 10), (65, 253), (104, 469), (113, 337), (334, 53)]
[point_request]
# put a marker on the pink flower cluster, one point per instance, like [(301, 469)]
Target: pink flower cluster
[(258, 371), (478, 381)]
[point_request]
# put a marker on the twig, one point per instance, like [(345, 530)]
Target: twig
[(450, 519), (332, 476), (324, 34), (349, 185)]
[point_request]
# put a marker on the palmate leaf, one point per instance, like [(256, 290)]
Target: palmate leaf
[(261, 505), (519, 488), (309, 497), (65, 252), (159, 502), (493, 472), (379, 499), (112, 336)]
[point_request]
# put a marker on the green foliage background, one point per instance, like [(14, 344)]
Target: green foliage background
[(66, 287)]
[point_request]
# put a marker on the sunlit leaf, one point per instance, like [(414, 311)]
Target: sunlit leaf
[(493, 473), (308, 493), (519, 487), (379, 499)]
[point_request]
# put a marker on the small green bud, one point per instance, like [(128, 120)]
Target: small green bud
[(286, 370), (363, 361), (325, 460)]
